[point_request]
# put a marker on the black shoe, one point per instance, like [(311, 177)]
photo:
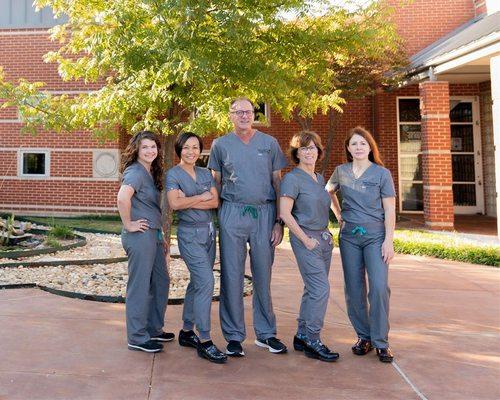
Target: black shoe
[(273, 344), (188, 339), (316, 349), (362, 347), (298, 343), (385, 355), (164, 337), (149, 347), (209, 351), (234, 349)]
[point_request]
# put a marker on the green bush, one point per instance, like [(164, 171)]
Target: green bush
[(61, 232), (465, 253), (52, 242)]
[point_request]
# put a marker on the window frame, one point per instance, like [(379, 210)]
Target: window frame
[(20, 163), (406, 155)]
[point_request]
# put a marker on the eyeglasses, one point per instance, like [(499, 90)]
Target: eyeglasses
[(309, 148), (241, 113)]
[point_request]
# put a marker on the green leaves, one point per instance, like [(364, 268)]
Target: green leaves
[(153, 63)]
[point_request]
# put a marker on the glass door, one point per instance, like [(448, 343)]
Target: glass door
[(466, 156)]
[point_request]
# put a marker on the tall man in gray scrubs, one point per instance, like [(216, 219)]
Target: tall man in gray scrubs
[(247, 164)]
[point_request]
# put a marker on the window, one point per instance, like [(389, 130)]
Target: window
[(203, 160), (410, 154), (34, 163), (262, 114)]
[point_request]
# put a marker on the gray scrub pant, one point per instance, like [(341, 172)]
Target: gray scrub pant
[(361, 252), (314, 266), (197, 248), (147, 286), (241, 224)]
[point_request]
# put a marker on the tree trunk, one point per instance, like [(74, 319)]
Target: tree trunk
[(303, 122), (168, 162), (329, 140)]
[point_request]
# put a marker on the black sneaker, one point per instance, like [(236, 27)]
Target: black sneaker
[(316, 349), (164, 337), (149, 347), (385, 355), (299, 342), (273, 344), (234, 349), (188, 339), (209, 351)]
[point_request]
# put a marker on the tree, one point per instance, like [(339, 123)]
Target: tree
[(169, 65)]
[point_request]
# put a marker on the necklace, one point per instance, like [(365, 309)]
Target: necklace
[(357, 172)]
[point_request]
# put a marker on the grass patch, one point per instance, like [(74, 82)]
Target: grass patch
[(104, 223), (61, 232), (52, 242), (448, 247)]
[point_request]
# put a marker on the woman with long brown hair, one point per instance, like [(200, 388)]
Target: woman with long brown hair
[(139, 207), (366, 219)]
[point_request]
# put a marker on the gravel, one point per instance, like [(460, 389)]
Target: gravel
[(97, 279)]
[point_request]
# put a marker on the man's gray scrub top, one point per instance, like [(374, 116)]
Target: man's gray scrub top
[(177, 178), (246, 169), (362, 197), (312, 201), (146, 199)]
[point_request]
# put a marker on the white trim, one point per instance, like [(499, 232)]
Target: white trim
[(431, 151), (61, 149), (57, 178), (435, 116), (20, 158), (10, 121), (58, 92), (438, 187), (22, 33), (471, 48), (444, 224), (467, 55), (406, 155), (50, 207), (478, 158)]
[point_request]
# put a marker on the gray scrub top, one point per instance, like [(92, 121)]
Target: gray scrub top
[(362, 197), (146, 199), (312, 201), (246, 169), (177, 178)]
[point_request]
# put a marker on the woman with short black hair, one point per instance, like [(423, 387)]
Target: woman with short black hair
[(191, 192)]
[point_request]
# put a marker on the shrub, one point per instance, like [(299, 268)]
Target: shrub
[(61, 232), (52, 242)]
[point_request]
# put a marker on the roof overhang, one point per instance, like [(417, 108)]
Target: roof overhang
[(468, 62)]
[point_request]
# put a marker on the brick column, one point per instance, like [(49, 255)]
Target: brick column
[(436, 155)]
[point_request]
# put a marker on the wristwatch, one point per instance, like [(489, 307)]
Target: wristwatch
[(279, 221)]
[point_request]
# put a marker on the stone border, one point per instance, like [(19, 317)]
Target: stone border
[(99, 298), (56, 263), (29, 253)]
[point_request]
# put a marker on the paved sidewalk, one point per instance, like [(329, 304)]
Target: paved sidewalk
[(445, 319)]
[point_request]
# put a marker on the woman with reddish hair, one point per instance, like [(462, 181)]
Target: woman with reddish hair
[(366, 219)]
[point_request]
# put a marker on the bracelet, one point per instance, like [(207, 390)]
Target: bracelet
[(279, 221)]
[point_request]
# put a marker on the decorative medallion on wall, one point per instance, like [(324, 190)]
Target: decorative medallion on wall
[(105, 163)]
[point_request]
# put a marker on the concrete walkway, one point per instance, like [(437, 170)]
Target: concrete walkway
[(445, 333)]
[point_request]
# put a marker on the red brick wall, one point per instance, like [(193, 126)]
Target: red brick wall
[(480, 7), (436, 160), (21, 56), (422, 22)]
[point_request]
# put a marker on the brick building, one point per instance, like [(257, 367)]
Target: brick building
[(436, 132)]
